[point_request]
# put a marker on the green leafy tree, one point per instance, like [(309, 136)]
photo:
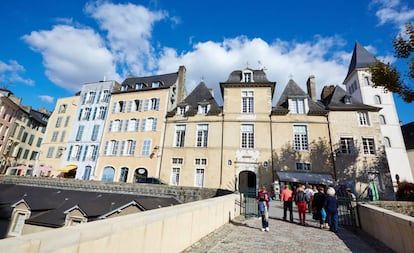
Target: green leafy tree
[(388, 76)]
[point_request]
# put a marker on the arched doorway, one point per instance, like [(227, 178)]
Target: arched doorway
[(108, 174), (247, 181)]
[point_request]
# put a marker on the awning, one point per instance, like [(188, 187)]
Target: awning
[(306, 177), (68, 168)]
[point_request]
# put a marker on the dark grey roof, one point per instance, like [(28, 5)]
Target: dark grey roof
[(259, 79), (166, 81), (39, 116), (292, 89), (48, 205), (361, 58), (408, 135), (336, 102), (200, 94)]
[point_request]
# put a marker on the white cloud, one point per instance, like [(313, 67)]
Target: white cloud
[(129, 30), (394, 12), (73, 56), (46, 98), (214, 61), (10, 73)]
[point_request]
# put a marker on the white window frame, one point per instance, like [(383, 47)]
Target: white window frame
[(303, 166), (179, 136), (368, 146), (298, 105), (300, 138), (247, 138), (199, 177), (363, 119), (202, 136), (346, 145), (247, 101)]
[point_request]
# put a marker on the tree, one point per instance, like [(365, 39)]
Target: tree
[(388, 76)]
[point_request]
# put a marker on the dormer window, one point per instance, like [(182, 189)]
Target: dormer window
[(298, 105), (156, 84), (203, 108), (182, 110), (139, 86), (247, 76), (347, 100), (124, 87)]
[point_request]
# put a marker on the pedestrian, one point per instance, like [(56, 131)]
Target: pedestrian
[(370, 194), (318, 205), (286, 199), (309, 196), (300, 200), (331, 208), (262, 199)]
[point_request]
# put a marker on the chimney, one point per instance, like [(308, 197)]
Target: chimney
[(327, 91), (311, 87)]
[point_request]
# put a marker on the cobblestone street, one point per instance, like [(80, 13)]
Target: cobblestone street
[(246, 236)]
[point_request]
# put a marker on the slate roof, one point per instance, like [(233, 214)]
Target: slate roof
[(292, 89), (166, 81), (259, 80), (48, 205), (201, 94), (336, 102), (408, 135), (361, 58)]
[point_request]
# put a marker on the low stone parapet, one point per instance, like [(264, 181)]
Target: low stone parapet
[(394, 229)]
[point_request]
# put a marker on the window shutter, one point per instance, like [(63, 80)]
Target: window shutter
[(146, 104), (126, 125), (137, 125), (85, 153), (134, 144), (110, 126), (114, 107), (106, 148), (122, 147), (143, 124), (154, 125), (157, 106)]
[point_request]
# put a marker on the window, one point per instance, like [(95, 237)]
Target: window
[(87, 173), (369, 146), (26, 154), (363, 119), (347, 100), (382, 120), (149, 124), (102, 112), (366, 80), (31, 138), (146, 147), (247, 101), (300, 138), (181, 110), (67, 121), (203, 109), (175, 176), (202, 135), (139, 86), (86, 114), (297, 106), (111, 147), (95, 132), (200, 161), (79, 133), (135, 105), (93, 152), (387, 142), (303, 166), (179, 136), (247, 77), (128, 147), (105, 96), (346, 145), (120, 106), (24, 137), (91, 97), (123, 176), (132, 125), (39, 142), (177, 161), (108, 174), (50, 152), (199, 177), (62, 136), (62, 108), (152, 104), (247, 136), (115, 126), (377, 99), (18, 223), (155, 84), (59, 121)]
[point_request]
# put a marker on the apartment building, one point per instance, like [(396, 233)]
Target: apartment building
[(133, 135), (57, 136)]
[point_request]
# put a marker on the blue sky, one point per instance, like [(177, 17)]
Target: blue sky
[(50, 48)]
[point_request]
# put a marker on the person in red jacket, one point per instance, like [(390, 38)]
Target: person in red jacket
[(286, 197), (262, 199)]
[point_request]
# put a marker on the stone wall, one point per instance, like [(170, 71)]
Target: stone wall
[(183, 194), (403, 207)]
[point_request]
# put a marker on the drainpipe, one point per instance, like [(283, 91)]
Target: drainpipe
[(271, 147), (221, 150), (332, 151)]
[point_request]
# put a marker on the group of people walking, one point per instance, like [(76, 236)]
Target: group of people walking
[(323, 204)]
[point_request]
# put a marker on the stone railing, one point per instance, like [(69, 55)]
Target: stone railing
[(169, 229), (394, 229), (184, 194)]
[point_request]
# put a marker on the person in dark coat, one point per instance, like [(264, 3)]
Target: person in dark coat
[(318, 204), (331, 208)]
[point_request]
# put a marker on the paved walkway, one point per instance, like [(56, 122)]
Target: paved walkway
[(242, 236)]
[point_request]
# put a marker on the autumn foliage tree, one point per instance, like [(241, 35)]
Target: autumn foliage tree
[(386, 75)]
